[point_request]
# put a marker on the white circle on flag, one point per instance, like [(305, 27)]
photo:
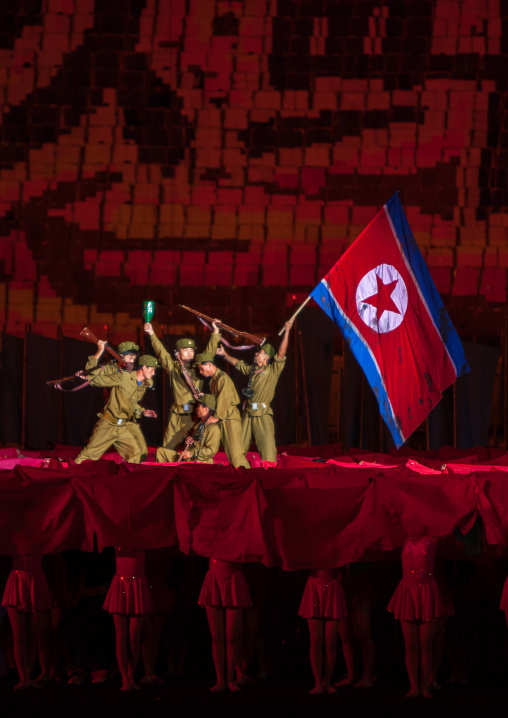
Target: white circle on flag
[(368, 288)]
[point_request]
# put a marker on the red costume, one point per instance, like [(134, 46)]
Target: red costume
[(129, 593), (323, 596), (26, 588), (224, 586), (418, 596)]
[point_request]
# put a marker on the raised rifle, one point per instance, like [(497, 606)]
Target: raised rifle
[(254, 338), (194, 390), (90, 336)]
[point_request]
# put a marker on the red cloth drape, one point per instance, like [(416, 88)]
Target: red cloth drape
[(307, 515)]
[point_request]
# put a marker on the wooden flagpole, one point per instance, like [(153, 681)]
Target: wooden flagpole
[(296, 313)]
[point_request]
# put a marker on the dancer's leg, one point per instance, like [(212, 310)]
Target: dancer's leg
[(121, 622), (361, 624), (331, 632), (316, 632), (411, 641), (233, 645), (437, 650), (136, 624), (346, 636), (426, 635), (215, 618), (42, 631), (19, 645)]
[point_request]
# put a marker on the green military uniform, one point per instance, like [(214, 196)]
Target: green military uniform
[(117, 425), (257, 417), (223, 389), (206, 444), (180, 413)]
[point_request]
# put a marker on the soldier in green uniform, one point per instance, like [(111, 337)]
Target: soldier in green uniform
[(184, 403), (226, 413), (204, 442), (117, 425), (257, 416)]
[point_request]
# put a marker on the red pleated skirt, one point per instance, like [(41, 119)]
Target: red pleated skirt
[(224, 586), (323, 599), (422, 603), (129, 596), (27, 591)]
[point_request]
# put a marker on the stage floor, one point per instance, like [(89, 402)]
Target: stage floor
[(267, 699)]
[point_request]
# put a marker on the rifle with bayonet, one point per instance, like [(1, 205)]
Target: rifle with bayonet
[(90, 336), (194, 390), (254, 338), (87, 334)]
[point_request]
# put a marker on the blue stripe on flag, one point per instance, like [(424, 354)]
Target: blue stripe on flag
[(325, 299), (428, 290)]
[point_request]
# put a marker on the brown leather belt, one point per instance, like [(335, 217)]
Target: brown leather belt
[(116, 422)]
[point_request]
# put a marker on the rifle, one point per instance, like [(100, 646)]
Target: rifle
[(187, 444), (194, 390), (87, 334), (194, 435), (82, 374), (254, 338)]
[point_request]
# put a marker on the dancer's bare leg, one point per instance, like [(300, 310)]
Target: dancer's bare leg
[(121, 622), (19, 645), (42, 631), (136, 624), (150, 641), (158, 621), (147, 651), (233, 643), (437, 650), (215, 618), (331, 632), (316, 632), (410, 631), (361, 624), (346, 636), (426, 634)]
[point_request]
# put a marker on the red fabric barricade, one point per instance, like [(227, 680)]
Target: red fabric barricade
[(220, 512), (311, 516), (41, 513), (129, 506)]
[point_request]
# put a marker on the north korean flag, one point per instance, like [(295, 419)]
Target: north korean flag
[(381, 295)]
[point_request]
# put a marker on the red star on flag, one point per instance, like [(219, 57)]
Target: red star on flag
[(382, 300)]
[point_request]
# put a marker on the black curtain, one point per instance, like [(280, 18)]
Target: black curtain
[(11, 387), (42, 417), (361, 425), (79, 408), (315, 335), (473, 402)]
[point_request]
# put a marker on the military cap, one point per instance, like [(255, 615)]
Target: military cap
[(128, 348), (269, 349), (185, 343), (208, 400), (147, 360), (204, 357)]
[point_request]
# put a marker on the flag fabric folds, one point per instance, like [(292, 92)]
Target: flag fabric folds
[(382, 296)]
